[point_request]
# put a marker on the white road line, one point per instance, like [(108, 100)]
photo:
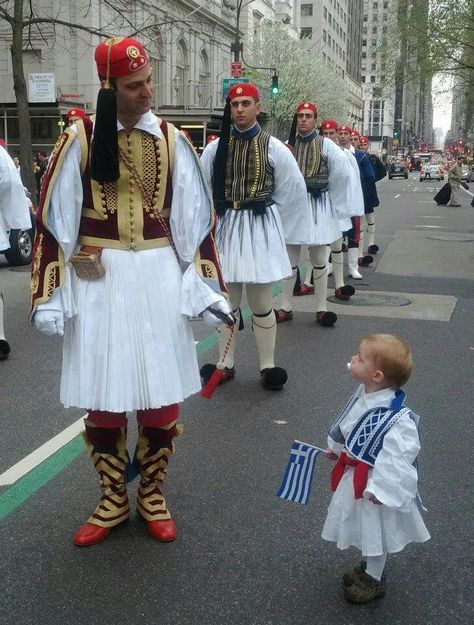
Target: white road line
[(36, 457), (426, 226), (398, 195)]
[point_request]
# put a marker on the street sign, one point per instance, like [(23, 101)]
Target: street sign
[(236, 70), (227, 83)]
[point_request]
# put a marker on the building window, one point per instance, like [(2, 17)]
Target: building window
[(372, 79), (306, 33), (306, 10)]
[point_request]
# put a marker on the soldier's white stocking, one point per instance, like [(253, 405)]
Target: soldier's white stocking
[(317, 254)]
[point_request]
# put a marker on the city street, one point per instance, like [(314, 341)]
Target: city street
[(244, 556)]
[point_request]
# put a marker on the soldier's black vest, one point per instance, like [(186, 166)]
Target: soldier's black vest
[(312, 164), (249, 175)]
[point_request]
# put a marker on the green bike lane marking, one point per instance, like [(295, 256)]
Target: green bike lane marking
[(25, 487)]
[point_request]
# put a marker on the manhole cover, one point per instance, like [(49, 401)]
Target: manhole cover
[(371, 299), (452, 237), (21, 268)]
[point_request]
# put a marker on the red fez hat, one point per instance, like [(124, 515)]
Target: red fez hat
[(355, 133), (364, 140), (119, 56), (243, 89), (329, 123), (307, 106), (344, 128), (2, 143), (211, 138), (76, 114)]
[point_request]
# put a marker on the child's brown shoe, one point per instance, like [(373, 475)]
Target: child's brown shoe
[(353, 576), (365, 589)]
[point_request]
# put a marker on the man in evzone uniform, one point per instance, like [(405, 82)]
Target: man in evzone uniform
[(367, 181), (123, 203), (260, 199), (355, 200), (327, 176), (14, 214), (367, 222)]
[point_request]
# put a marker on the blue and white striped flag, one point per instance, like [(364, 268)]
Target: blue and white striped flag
[(296, 485)]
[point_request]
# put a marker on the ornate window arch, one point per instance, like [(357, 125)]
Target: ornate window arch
[(181, 78), (157, 60), (204, 89)]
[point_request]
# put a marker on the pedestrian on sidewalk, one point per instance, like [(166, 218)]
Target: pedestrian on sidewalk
[(454, 179), (375, 481), (123, 208)]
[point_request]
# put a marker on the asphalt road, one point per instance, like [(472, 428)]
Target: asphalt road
[(243, 556)]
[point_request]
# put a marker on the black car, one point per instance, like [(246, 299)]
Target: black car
[(21, 242), (398, 170)]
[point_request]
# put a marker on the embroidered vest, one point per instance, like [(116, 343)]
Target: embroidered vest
[(312, 164), (249, 175), (124, 214)]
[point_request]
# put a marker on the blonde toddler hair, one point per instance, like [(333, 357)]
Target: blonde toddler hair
[(392, 355)]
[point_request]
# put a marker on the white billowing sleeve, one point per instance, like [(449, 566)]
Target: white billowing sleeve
[(191, 216), (289, 193), (207, 160), (340, 178), (394, 479), (64, 216), (354, 190), (14, 205)]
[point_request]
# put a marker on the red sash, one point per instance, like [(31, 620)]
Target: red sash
[(361, 472)]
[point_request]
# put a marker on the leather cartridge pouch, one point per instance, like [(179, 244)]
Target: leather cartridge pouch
[(87, 263)]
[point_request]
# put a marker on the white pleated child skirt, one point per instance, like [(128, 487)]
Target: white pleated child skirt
[(374, 529), (129, 347), (252, 247)]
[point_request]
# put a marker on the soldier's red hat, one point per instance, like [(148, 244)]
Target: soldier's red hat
[(344, 128), (119, 56), (211, 138), (355, 133), (2, 143), (328, 123), (364, 140), (243, 89), (307, 106), (76, 114)]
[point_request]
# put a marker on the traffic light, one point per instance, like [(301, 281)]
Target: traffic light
[(395, 134), (275, 88)]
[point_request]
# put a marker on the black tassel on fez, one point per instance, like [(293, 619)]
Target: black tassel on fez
[(104, 154)]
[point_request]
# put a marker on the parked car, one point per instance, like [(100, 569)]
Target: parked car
[(20, 251), (466, 173), (398, 170), (432, 171)]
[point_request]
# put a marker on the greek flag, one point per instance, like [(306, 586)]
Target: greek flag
[(296, 484)]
